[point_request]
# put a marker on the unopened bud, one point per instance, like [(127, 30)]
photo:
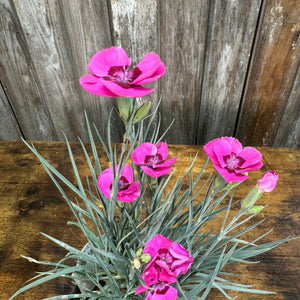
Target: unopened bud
[(267, 182), (139, 252), (251, 198), (142, 112), (145, 258), (125, 106), (136, 263)]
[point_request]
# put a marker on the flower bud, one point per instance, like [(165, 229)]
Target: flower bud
[(136, 263), (251, 198), (142, 112), (267, 182), (125, 106), (145, 258), (139, 252)]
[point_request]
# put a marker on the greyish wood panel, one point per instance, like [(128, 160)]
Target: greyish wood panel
[(49, 48), (182, 33), (20, 80), (288, 133), (134, 28), (275, 62), (88, 29), (9, 129), (45, 47), (231, 32)]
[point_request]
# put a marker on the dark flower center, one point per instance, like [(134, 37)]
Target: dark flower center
[(233, 162), (165, 256), (151, 160), (161, 288), (122, 184), (121, 76)]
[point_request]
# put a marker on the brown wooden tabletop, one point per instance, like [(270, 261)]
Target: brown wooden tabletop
[(30, 204)]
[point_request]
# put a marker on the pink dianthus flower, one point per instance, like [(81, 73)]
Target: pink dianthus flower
[(110, 76), (153, 159), (231, 160), (128, 190)]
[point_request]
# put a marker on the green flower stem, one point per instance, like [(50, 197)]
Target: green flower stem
[(127, 109)]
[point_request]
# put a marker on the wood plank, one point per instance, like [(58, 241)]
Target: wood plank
[(49, 48), (19, 79), (88, 29), (230, 36), (288, 133), (31, 204), (9, 129), (274, 65), (134, 28), (182, 34)]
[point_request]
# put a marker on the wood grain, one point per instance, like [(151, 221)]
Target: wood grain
[(230, 36), (182, 43), (31, 204), (49, 49), (87, 24), (288, 133), (232, 66), (274, 66), (134, 28), (19, 79), (9, 129)]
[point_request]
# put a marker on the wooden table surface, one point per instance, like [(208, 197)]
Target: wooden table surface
[(30, 204)]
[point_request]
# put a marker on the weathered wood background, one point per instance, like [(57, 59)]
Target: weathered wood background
[(232, 66)]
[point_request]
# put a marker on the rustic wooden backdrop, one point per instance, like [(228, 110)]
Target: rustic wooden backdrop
[(232, 66)]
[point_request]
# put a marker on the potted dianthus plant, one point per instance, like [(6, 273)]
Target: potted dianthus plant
[(146, 238)]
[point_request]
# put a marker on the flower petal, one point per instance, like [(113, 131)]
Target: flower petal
[(140, 289), (131, 91), (162, 149), (267, 182), (222, 148), (95, 86), (104, 182), (139, 154), (252, 159), (210, 151), (130, 194), (157, 74), (230, 176), (166, 163), (151, 68), (156, 243), (127, 173), (236, 146), (155, 173), (103, 60), (165, 292)]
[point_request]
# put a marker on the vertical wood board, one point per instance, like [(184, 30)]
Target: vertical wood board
[(9, 129), (134, 28), (49, 48), (182, 34), (19, 79), (288, 133), (231, 32), (87, 26), (273, 70)]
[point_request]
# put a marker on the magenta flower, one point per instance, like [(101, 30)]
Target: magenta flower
[(152, 159), (168, 260), (110, 75), (160, 291), (267, 182), (231, 160), (128, 191)]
